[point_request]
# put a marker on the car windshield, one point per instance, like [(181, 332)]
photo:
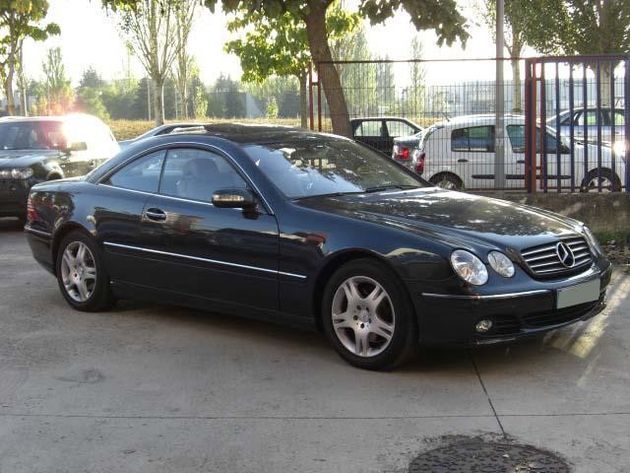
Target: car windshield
[(19, 135), (310, 168)]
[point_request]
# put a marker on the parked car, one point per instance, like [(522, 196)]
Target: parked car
[(159, 130), (459, 154), (314, 229), (380, 132), (36, 149), (404, 146), (590, 120)]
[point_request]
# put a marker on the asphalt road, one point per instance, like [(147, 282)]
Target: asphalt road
[(163, 389)]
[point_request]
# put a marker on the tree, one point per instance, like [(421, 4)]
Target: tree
[(90, 94), (59, 94), (150, 26), (278, 45), (579, 27), (439, 15), (516, 22), (184, 15), (19, 19)]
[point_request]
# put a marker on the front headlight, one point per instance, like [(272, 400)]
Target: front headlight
[(501, 264), (468, 267), (21, 173), (592, 241)]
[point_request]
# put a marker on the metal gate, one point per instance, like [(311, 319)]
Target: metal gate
[(580, 105)]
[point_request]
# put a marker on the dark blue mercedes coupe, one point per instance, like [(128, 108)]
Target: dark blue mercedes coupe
[(309, 228)]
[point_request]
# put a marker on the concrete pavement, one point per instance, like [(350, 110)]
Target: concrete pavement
[(163, 389)]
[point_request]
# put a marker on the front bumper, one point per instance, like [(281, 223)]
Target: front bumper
[(451, 319), (13, 197)]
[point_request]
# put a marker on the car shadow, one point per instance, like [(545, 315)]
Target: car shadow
[(428, 359)]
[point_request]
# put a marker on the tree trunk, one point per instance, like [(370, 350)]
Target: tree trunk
[(158, 101), (328, 76), (605, 92), (8, 90), (303, 102), (517, 104)]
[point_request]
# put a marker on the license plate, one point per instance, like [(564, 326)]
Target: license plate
[(578, 294)]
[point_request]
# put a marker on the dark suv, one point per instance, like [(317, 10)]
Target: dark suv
[(36, 149)]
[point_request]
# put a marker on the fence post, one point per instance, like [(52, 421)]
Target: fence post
[(530, 125), (310, 98), (626, 138)]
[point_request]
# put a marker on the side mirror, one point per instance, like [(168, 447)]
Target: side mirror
[(76, 146), (234, 199)]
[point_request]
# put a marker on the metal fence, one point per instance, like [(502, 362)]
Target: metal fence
[(454, 101)]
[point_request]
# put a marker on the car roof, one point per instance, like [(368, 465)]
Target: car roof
[(250, 133)]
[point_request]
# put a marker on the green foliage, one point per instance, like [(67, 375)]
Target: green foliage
[(577, 26), (278, 45), (225, 99), (19, 19), (272, 108), (59, 93), (89, 100)]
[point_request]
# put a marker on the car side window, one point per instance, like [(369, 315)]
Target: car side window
[(592, 117), (397, 128), (143, 174), (516, 134), (196, 174), (369, 128), (476, 139)]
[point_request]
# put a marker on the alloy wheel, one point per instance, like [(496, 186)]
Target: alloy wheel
[(78, 271), (363, 316)]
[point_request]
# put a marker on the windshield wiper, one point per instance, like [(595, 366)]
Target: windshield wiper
[(390, 186)]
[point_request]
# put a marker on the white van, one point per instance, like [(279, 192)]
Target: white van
[(459, 154)]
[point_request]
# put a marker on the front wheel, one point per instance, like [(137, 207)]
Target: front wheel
[(608, 180), (81, 274), (448, 181), (367, 316)]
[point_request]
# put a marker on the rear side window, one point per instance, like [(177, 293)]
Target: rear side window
[(397, 128), (196, 174), (370, 128), (142, 174), (476, 139)]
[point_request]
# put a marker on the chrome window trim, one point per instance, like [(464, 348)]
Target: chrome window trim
[(206, 260), (166, 147), (474, 297)]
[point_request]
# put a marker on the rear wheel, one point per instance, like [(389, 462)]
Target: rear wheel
[(446, 180), (609, 181), (367, 316), (81, 274)]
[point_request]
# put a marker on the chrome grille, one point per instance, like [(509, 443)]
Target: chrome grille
[(543, 260)]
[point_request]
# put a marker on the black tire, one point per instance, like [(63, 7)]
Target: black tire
[(99, 295), (589, 184), (403, 342), (446, 180)]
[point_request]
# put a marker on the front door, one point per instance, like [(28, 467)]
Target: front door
[(472, 155), (193, 248)]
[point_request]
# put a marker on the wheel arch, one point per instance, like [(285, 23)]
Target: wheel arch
[(333, 263), (60, 234)]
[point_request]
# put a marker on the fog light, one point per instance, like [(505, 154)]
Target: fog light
[(483, 325)]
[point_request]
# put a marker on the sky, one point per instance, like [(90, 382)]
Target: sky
[(89, 38)]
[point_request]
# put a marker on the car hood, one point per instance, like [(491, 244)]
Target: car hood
[(454, 217), (24, 158)]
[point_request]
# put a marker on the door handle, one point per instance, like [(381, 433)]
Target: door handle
[(157, 215), (520, 161), (462, 160)]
